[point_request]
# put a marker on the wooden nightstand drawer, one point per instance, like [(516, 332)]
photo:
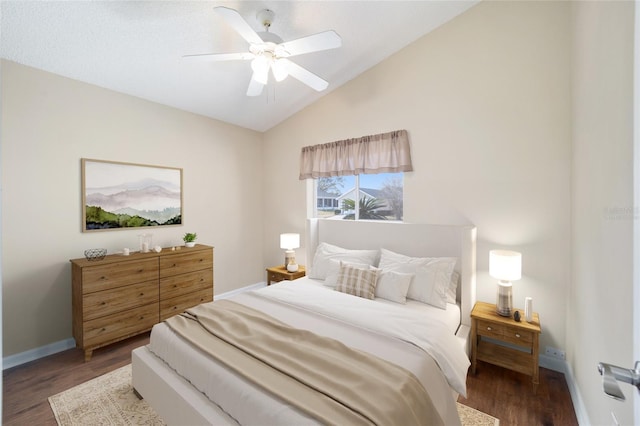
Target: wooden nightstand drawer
[(279, 273), (506, 333), (490, 329), (518, 337)]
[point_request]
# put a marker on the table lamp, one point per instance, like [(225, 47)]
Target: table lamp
[(289, 242), (505, 266)]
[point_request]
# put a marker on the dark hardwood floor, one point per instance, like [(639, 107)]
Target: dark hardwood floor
[(509, 396), (25, 388), (504, 394)]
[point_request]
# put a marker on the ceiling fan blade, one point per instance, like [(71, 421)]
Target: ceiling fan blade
[(217, 57), (237, 22), (305, 76), (255, 87), (313, 43)]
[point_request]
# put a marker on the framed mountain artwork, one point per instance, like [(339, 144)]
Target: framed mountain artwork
[(119, 195)]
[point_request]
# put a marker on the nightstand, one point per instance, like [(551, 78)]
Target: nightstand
[(504, 342), (279, 273)]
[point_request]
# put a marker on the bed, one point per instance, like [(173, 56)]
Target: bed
[(186, 386)]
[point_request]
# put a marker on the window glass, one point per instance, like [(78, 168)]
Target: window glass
[(362, 197)]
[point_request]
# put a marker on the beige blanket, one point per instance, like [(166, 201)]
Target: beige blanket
[(319, 376)]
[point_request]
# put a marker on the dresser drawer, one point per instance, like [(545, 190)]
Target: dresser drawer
[(177, 305), (119, 326), (185, 283), (188, 262), (102, 303), (112, 275)]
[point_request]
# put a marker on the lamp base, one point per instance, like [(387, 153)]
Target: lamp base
[(289, 258), (504, 299)]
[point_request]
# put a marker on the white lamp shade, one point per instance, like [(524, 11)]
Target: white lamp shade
[(505, 265), (289, 241), (260, 66), (280, 70)]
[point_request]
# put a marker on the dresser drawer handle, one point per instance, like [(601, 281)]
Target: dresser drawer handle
[(103, 303), (103, 277), (518, 335), (141, 294), (488, 328)]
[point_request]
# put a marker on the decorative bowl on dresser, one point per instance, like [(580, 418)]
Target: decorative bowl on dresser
[(121, 296)]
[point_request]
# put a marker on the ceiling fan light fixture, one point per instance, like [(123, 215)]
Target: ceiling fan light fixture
[(260, 66), (280, 70)]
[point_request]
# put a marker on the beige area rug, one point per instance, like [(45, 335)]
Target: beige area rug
[(109, 400)]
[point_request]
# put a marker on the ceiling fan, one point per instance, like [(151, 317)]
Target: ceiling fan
[(267, 51)]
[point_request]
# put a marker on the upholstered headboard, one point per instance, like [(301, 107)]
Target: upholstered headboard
[(411, 239)]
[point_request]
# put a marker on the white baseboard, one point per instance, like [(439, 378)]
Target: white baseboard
[(37, 353), (231, 293), (563, 367), (554, 364), (62, 345)]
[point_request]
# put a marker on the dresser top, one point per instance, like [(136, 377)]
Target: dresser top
[(136, 255)]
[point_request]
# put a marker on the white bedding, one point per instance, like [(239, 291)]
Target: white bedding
[(392, 319), (234, 394), (449, 316)]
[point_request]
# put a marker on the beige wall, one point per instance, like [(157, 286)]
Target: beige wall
[(486, 101), (600, 306), (48, 124), (492, 102)]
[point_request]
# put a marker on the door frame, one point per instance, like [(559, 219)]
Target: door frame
[(636, 199)]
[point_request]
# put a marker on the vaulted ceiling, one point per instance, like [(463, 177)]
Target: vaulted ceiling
[(136, 47)]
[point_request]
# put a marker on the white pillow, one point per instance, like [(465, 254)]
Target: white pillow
[(359, 282), (432, 275), (334, 269), (325, 252), (393, 286), (452, 290)]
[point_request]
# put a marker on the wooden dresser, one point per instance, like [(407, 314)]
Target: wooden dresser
[(121, 296)]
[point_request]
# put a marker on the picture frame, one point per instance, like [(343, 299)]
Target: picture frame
[(118, 195)]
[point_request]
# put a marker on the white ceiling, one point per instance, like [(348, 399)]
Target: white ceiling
[(135, 47)]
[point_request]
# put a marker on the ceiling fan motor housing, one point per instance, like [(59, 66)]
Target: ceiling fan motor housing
[(266, 17)]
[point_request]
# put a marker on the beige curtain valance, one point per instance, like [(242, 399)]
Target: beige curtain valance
[(383, 153)]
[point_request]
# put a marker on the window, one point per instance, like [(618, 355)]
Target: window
[(358, 178), (360, 197)]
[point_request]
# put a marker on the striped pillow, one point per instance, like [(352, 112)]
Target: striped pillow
[(359, 282)]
